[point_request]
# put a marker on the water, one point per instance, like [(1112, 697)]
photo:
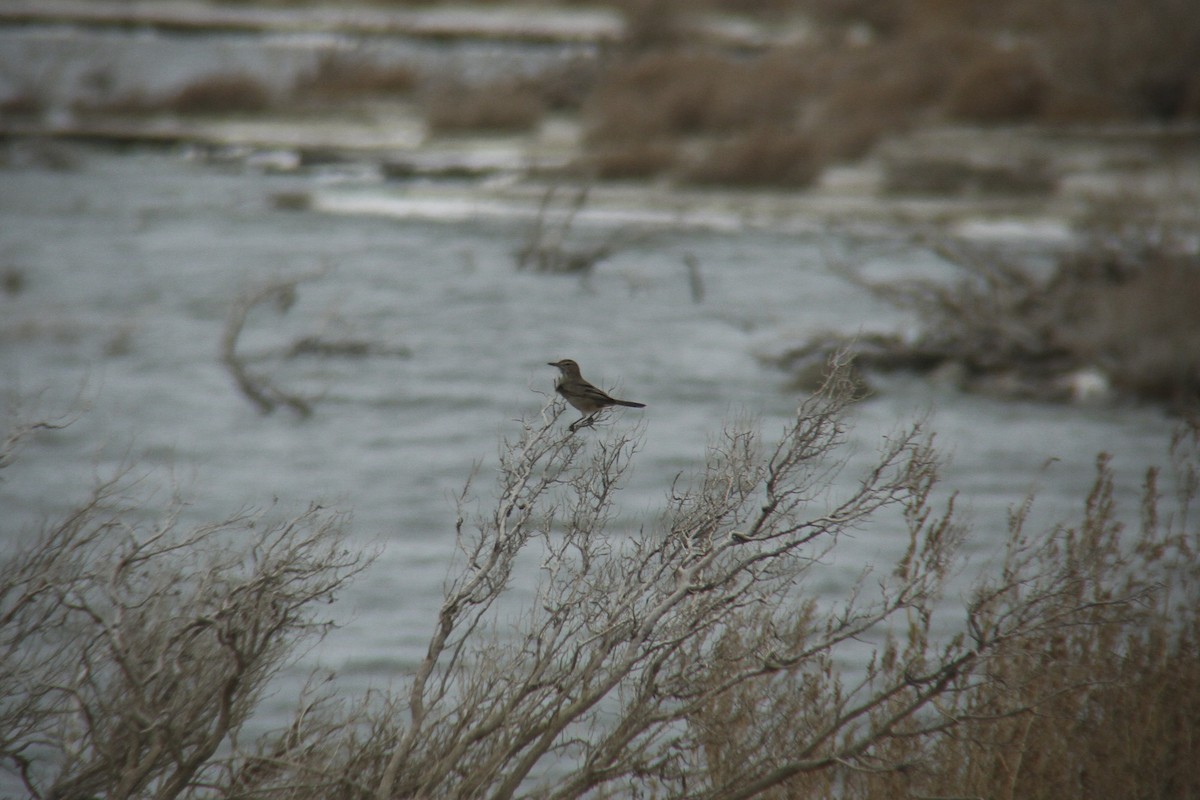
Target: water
[(64, 64), (131, 261)]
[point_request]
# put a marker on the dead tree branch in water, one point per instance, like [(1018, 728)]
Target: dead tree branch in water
[(259, 389)]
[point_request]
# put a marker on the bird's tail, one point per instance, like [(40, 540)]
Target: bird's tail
[(629, 403)]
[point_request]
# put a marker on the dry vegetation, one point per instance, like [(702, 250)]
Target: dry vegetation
[(547, 246), (133, 650), (683, 656), (920, 62), (498, 107), (221, 94), (340, 74), (675, 99), (1114, 318)]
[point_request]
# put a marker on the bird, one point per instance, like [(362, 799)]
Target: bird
[(583, 396)]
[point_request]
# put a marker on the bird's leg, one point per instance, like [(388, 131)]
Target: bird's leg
[(586, 421)]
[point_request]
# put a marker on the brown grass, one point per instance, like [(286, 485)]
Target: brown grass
[(132, 104), (566, 86), (957, 174), (340, 75), (664, 94), (1142, 57), (685, 92), (1106, 708), (631, 160), (651, 24), (928, 60), (951, 15), (503, 106), (882, 89), (1003, 86), (1137, 318), (1117, 701), (219, 94), (1067, 105), (765, 157), (881, 17), (669, 99), (22, 104), (842, 99)]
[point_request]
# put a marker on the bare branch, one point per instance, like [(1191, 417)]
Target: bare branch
[(132, 653)]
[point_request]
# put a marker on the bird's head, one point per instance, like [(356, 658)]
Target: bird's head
[(566, 367)]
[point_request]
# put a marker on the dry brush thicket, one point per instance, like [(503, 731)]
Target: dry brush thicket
[(132, 651), (694, 108), (677, 97), (687, 654), (1113, 318)]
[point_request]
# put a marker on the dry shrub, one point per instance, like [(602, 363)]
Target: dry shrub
[(1122, 309), (134, 103), (1141, 325), (663, 94), (966, 176), (881, 89), (631, 159), (620, 670), (651, 24), (565, 86), (22, 104), (1077, 62), (660, 101), (1116, 699), (1190, 107), (551, 244), (1003, 86), (951, 15), (502, 106), (339, 75), (882, 17), (220, 94), (1140, 55), (136, 648), (683, 92), (689, 653), (769, 89), (1103, 707), (765, 157), (1062, 105), (13, 280)]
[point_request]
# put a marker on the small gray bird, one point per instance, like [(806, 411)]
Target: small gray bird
[(583, 396)]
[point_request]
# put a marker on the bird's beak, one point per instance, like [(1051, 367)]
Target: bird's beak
[(551, 364)]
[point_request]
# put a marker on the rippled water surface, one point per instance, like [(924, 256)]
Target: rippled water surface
[(131, 261)]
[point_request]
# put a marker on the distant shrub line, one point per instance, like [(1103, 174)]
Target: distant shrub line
[(673, 101)]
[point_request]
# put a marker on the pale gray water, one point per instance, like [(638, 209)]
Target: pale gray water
[(63, 64), (131, 261)]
